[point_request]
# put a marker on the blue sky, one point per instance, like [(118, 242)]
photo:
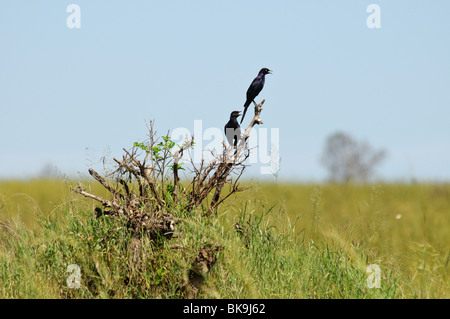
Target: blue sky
[(70, 96)]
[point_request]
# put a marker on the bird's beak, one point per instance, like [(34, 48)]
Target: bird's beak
[(239, 114), (269, 72)]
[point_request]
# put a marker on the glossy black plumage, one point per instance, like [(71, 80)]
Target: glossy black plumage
[(233, 129), (255, 87)]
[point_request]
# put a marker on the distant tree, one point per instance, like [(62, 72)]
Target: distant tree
[(48, 171), (349, 160)]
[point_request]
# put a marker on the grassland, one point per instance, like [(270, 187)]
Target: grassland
[(279, 241)]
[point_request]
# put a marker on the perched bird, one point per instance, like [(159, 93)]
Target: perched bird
[(233, 129), (254, 89)]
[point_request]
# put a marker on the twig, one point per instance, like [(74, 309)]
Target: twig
[(102, 181), (176, 157), (104, 202)]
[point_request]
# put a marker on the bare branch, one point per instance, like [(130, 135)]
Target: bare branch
[(106, 203), (149, 208), (102, 181), (176, 157)]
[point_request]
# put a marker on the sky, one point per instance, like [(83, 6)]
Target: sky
[(71, 96)]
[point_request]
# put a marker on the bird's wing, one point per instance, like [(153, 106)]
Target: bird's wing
[(252, 92), (254, 89)]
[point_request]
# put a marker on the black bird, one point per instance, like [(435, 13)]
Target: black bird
[(254, 89), (233, 129)]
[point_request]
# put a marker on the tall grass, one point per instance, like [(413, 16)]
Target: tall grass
[(279, 241), (403, 228)]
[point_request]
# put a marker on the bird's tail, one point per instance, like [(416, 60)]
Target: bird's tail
[(243, 115), (245, 110)]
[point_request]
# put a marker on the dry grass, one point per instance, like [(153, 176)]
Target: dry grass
[(295, 241)]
